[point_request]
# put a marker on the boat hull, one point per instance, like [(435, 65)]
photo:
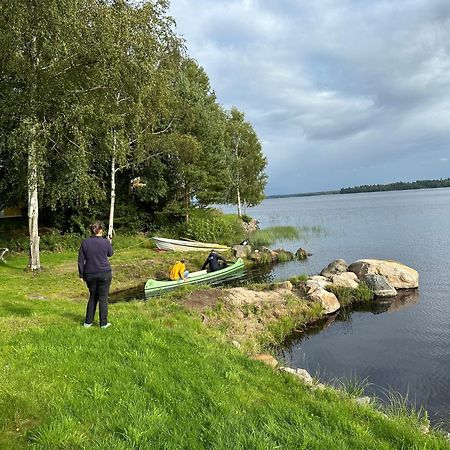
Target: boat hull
[(155, 287), (175, 245)]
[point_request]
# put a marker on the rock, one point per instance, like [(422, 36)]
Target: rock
[(253, 225), (363, 400), (335, 267), (284, 285), (266, 358), (263, 255), (317, 280), (379, 285), (301, 253), (300, 373), (242, 251), (327, 299), (398, 275), (345, 279)]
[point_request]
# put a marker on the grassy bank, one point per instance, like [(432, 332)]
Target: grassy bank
[(159, 378)]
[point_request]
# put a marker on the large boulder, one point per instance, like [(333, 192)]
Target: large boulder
[(379, 285), (317, 281), (335, 267), (328, 300), (346, 279), (397, 274)]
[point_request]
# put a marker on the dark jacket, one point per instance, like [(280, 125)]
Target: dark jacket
[(213, 262), (93, 256)]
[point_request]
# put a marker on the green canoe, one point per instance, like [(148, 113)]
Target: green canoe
[(155, 287)]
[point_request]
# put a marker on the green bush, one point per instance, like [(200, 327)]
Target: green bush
[(209, 225)]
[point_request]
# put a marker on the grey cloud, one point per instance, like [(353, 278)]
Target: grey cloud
[(365, 86)]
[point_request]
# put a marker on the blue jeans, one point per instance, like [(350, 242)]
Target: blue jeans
[(98, 285)]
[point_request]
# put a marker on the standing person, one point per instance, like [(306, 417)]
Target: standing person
[(178, 271), (213, 262), (94, 268)]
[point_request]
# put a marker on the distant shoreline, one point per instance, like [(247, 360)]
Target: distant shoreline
[(398, 186)]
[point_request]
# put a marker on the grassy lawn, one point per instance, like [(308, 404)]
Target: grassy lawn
[(158, 378)]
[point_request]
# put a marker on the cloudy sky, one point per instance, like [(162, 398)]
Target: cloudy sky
[(340, 92)]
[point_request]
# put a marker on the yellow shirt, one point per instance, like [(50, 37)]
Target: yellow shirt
[(177, 271)]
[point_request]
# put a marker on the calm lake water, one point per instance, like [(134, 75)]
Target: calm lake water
[(402, 346)]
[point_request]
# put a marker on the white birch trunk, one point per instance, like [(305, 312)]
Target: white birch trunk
[(238, 179), (239, 207), (113, 188), (34, 262)]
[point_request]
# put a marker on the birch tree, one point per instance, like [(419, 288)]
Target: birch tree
[(247, 178), (41, 56), (137, 40)]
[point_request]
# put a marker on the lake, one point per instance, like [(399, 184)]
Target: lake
[(403, 346)]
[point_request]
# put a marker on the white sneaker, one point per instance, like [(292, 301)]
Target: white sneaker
[(87, 325), (106, 326)]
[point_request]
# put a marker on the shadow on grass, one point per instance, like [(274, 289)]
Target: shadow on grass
[(73, 317), (16, 310), (9, 267)]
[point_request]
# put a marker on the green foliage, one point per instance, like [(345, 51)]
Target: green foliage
[(298, 279), (209, 225), (283, 256), (268, 236), (347, 296), (398, 186), (399, 406), (245, 218), (246, 162), (353, 386)]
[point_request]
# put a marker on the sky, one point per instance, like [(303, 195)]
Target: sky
[(340, 92)]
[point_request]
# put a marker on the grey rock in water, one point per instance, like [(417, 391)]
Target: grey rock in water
[(398, 275), (335, 267), (379, 285), (301, 253)]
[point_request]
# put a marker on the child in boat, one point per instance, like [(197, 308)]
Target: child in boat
[(178, 271)]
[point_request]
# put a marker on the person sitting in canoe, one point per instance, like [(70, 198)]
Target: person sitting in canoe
[(214, 261), (178, 271)]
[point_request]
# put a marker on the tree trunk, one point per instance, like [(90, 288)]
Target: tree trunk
[(113, 188), (239, 206), (34, 262), (187, 204)]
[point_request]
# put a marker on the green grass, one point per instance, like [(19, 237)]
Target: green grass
[(157, 379), (347, 296), (269, 235)]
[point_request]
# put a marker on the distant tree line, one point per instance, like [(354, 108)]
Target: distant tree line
[(104, 115), (398, 186)]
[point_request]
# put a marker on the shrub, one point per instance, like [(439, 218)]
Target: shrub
[(210, 225)]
